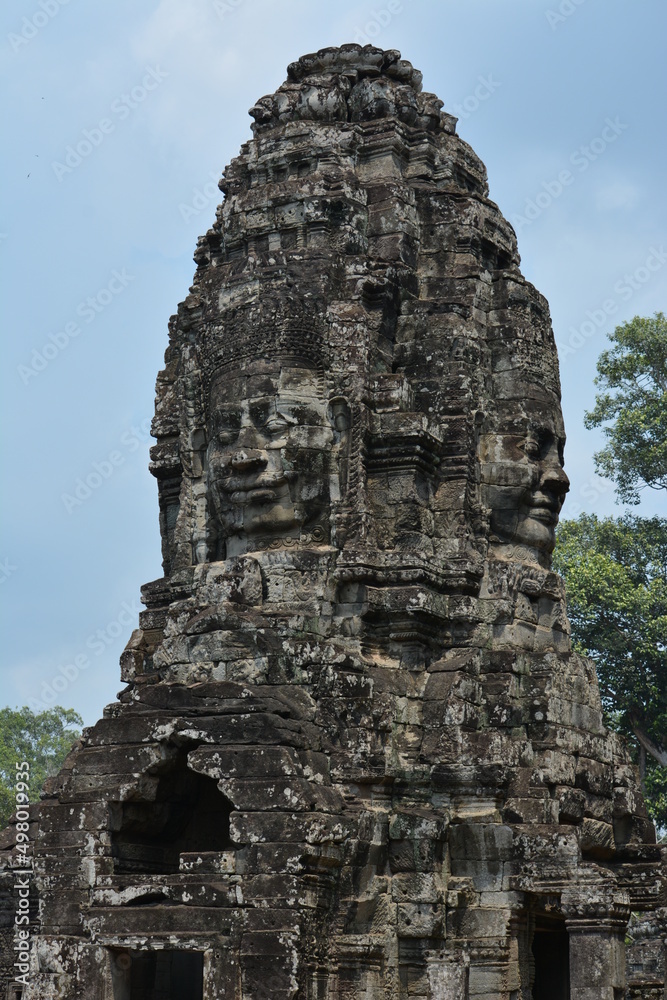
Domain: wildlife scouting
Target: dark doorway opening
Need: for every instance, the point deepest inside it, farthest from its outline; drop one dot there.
(188, 814)
(166, 975)
(551, 952)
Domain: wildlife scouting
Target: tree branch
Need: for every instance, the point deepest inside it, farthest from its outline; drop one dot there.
(658, 753)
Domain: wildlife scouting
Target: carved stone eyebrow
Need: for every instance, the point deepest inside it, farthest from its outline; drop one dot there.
(231, 413)
(298, 408)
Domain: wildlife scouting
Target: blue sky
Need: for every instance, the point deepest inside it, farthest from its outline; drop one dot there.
(562, 99)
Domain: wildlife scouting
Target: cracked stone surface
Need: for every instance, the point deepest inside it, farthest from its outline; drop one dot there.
(355, 756)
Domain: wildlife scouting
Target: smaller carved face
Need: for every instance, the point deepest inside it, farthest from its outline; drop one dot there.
(523, 482)
(268, 456)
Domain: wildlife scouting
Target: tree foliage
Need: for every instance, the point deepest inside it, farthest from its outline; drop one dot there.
(615, 571)
(633, 375)
(43, 739)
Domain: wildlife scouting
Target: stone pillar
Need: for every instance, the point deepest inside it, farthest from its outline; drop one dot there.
(521, 968)
(448, 977)
(488, 974)
(662, 924)
(596, 919)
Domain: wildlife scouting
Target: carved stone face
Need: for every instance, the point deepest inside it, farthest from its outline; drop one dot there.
(268, 457)
(523, 482)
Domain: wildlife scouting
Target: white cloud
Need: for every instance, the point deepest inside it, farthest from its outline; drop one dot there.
(190, 43)
(618, 194)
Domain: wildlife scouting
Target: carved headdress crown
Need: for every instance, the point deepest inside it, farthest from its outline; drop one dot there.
(262, 329)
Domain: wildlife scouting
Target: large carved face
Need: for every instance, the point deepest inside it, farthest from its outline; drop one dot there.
(523, 482)
(268, 457)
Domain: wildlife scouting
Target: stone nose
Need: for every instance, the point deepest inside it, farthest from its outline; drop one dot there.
(555, 480)
(248, 460)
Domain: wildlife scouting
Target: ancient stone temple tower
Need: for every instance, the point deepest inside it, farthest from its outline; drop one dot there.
(355, 756)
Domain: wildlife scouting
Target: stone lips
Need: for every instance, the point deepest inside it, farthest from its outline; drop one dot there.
(355, 755)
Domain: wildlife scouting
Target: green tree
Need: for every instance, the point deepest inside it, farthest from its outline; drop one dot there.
(615, 572)
(633, 406)
(43, 739)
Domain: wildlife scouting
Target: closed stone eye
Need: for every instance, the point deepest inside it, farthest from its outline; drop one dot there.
(531, 448)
